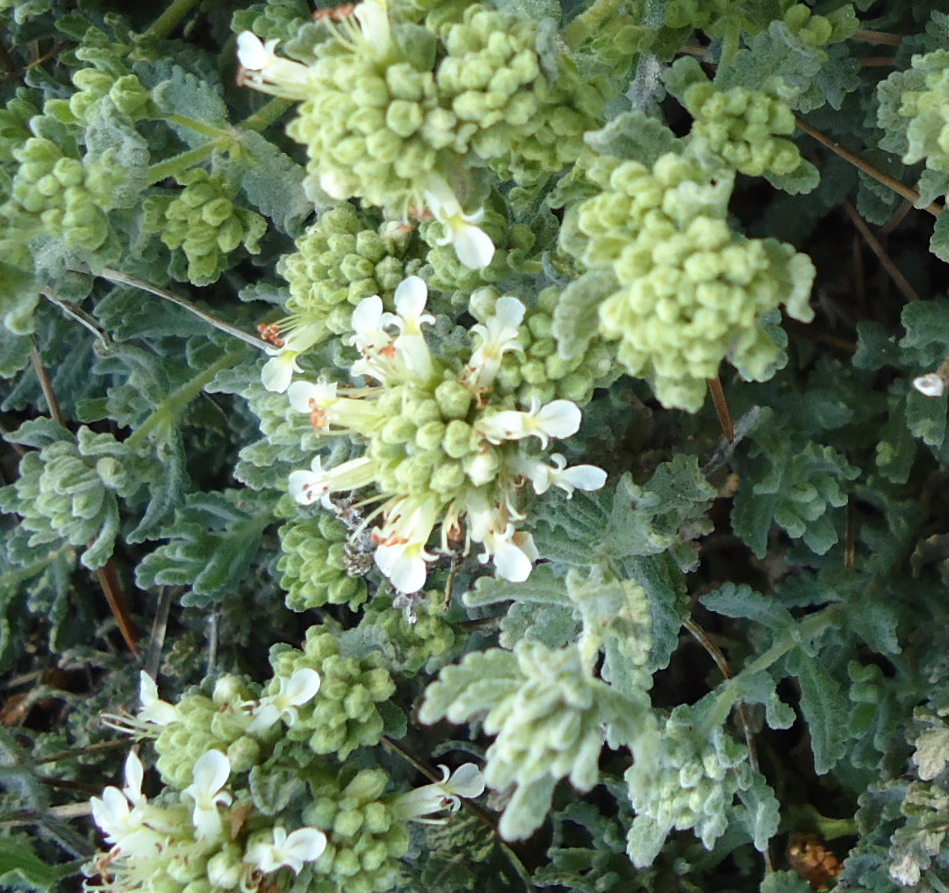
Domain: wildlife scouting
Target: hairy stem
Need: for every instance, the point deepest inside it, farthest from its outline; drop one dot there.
(170, 18)
(175, 402)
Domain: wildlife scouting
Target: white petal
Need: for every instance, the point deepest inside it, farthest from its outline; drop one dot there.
(473, 246)
(466, 781)
(404, 567)
(303, 686)
(579, 477)
(410, 297)
(306, 487)
(930, 385)
(511, 562)
(277, 372)
(251, 52)
(561, 418)
(111, 813)
(211, 772)
(134, 773)
(265, 717)
(305, 396)
(306, 844)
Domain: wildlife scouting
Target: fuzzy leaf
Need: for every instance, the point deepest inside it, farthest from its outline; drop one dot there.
(761, 814)
(527, 809)
(22, 869)
(473, 685)
(734, 600)
(214, 539)
(634, 135)
(822, 706)
(273, 183)
(541, 587)
(576, 316)
(192, 98)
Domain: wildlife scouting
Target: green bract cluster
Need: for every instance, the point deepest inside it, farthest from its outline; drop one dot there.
(340, 260)
(392, 114)
(317, 565)
(68, 491)
(745, 127)
(366, 838)
(692, 292)
(352, 694)
(203, 221)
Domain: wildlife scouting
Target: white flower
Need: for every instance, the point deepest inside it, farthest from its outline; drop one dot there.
(560, 418)
(211, 772)
(269, 73)
(369, 323)
(400, 553)
(277, 372)
(500, 333)
(466, 781)
(293, 850)
(472, 244)
(129, 830)
(411, 349)
(294, 692)
(543, 476)
(306, 487)
(411, 296)
(513, 553)
(154, 710)
(930, 385)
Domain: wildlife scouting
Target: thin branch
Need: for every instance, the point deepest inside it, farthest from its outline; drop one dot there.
(881, 37)
(865, 166)
(115, 597)
(159, 628)
(83, 318)
(47, 387)
(901, 282)
(721, 408)
(121, 278)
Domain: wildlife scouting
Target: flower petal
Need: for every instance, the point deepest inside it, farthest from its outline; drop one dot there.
(472, 245)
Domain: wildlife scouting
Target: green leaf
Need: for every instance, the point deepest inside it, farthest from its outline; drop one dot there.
(761, 814)
(471, 686)
(527, 809)
(576, 316)
(213, 542)
(188, 98)
(668, 603)
(741, 601)
(543, 586)
(22, 869)
(531, 9)
(14, 352)
(634, 135)
(822, 706)
(273, 183)
(784, 882)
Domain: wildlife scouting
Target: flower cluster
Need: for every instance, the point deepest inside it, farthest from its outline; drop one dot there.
(398, 124)
(691, 291)
(441, 444)
(210, 829)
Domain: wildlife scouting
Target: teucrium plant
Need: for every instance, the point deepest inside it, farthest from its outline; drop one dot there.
(364, 385)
